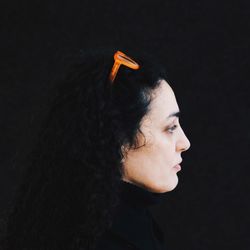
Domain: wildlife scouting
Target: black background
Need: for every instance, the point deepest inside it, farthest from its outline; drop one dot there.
(204, 46)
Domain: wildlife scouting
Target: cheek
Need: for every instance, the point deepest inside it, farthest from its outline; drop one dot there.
(164, 151)
(156, 157)
(164, 144)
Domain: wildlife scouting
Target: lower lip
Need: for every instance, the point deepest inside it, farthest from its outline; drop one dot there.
(177, 167)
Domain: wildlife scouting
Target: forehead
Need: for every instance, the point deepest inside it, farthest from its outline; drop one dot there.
(164, 101)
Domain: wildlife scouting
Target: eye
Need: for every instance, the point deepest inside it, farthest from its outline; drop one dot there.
(172, 128)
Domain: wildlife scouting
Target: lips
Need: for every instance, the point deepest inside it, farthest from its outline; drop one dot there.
(178, 163)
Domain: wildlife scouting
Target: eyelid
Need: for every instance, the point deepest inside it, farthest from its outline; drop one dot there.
(172, 128)
(174, 121)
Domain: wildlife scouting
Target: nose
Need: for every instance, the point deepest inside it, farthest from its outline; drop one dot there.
(183, 143)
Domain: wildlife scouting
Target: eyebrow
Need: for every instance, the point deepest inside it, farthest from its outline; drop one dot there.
(176, 114)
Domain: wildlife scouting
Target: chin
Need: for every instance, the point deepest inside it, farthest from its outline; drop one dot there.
(169, 186)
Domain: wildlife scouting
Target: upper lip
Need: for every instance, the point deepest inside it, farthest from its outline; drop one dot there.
(179, 163)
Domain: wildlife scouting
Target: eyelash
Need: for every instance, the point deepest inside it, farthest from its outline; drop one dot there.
(173, 128)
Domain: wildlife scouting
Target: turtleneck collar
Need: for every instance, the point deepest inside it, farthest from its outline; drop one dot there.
(138, 196)
(133, 221)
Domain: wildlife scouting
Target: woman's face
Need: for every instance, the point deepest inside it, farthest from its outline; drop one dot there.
(152, 166)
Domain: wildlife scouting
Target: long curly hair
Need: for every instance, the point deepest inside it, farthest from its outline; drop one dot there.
(71, 182)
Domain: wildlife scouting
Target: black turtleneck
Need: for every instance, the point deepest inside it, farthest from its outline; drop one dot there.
(134, 226)
(138, 196)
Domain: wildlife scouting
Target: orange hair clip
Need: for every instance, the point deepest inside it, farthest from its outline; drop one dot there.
(121, 59)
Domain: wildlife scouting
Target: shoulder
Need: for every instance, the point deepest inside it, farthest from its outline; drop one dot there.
(113, 241)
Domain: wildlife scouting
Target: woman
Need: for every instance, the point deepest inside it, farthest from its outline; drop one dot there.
(107, 151)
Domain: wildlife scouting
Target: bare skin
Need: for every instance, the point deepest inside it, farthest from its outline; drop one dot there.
(151, 166)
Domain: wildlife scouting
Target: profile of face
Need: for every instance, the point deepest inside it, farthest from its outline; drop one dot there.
(152, 166)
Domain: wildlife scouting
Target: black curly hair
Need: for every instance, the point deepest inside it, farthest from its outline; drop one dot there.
(70, 186)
